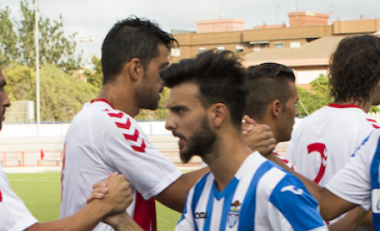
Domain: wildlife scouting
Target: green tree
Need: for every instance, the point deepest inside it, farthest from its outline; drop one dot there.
(8, 38)
(62, 95)
(54, 47)
(318, 97)
(95, 76)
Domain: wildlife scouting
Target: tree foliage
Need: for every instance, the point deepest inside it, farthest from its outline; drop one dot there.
(8, 38)
(318, 97)
(62, 95)
(18, 44)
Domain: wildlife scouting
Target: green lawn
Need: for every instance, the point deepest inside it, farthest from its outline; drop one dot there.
(41, 194)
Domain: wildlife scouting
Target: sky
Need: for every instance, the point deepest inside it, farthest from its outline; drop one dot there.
(94, 18)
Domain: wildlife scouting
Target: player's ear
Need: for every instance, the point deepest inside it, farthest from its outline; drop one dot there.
(135, 69)
(217, 114)
(276, 108)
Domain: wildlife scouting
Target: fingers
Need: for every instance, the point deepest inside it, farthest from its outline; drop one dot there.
(113, 174)
(249, 120)
(98, 192)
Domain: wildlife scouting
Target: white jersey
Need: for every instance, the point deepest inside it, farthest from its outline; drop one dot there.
(324, 141)
(102, 140)
(358, 182)
(261, 196)
(14, 216)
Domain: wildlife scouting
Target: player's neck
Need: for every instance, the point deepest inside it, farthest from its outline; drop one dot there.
(232, 152)
(271, 123)
(120, 98)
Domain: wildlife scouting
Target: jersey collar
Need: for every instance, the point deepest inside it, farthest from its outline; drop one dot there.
(334, 105)
(102, 100)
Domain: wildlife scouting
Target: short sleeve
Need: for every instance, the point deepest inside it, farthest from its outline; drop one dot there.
(288, 200)
(353, 183)
(130, 152)
(186, 223)
(13, 213)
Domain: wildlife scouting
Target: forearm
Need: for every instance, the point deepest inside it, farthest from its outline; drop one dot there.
(86, 219)
(351, 221)
(126, 223)
(175, 195)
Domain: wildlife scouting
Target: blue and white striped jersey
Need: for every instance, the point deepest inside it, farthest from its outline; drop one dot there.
(260, 197)
(358, 182)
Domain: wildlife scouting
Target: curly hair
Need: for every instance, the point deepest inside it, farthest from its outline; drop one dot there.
(355, 69)
(220, 77)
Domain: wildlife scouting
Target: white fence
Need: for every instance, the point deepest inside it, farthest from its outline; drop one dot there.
(51, 130)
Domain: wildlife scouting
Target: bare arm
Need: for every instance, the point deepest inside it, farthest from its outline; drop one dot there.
(174, 196)
(352, 220)
(116, 201)
(331, 206)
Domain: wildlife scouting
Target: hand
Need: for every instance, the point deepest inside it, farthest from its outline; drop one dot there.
(114, 193)
(99, 189)
(258, 137)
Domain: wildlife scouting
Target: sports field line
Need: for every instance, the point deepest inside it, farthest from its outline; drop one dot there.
(35, 179)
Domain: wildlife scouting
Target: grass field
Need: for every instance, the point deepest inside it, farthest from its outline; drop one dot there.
(41, 194)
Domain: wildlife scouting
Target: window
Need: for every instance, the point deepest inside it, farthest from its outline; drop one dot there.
(202, 49)
(239, 49)
(176, 52)
(295, 45)
(221, 48)
(279, 45)
(256, 47)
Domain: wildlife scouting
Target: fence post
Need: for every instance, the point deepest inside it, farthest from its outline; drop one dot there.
(22, 159)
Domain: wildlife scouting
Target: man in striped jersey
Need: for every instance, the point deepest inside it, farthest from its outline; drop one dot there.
(243, 191)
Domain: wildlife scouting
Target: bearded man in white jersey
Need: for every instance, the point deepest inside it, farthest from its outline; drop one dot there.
(243, 191)
(323, 143)
(104, 137)
(16, 217)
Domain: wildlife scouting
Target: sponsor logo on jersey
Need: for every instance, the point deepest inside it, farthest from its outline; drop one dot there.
(292, 189)
(375, 198)
(233, 215)
(200, 215)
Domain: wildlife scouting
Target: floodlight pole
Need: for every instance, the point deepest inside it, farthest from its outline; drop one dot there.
(37, 70)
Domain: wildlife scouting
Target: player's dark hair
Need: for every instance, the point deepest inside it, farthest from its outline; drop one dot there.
(220, 77)
(355, 69)
(267, 82)
(131, 38)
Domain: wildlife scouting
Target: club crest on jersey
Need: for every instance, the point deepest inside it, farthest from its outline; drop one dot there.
(233, 215)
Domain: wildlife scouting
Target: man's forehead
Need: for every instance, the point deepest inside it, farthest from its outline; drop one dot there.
(184, 93)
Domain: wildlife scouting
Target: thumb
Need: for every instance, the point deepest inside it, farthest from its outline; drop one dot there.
(249, 120)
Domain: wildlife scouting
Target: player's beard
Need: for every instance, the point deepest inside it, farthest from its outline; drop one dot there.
(201, 143)
(147, 96)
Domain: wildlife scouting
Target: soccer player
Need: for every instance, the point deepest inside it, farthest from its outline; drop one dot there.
(243, 191)
(323, 143)
(272, 101)
(103, 137)
(15, 216)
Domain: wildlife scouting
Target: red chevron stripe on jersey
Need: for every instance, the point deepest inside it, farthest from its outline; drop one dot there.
(133, 137)
(373, 121)
(116, 115)
(127, 124)
(141, 148)
(1, 197)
